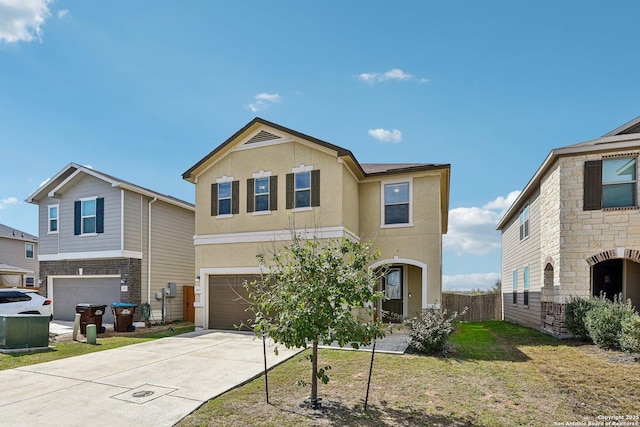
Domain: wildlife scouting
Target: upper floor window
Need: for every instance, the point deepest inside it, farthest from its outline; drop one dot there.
(262, 192)
(524, 222)
(28, 250)
(53, 219)
(618, 182)
(89, 216)
(224, 197)
(515, 286)
(610, 183)
(303, 188)
(397, 203)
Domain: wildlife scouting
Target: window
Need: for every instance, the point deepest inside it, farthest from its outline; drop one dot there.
(28, 250)
(396, 203)
(618, 182)
(262, 193)
(53, 219)
(30, 282)
(610, 183)
(515, 286)
(303, 188)
(89, 216)
(524, 222)
(224, 197)
(526, 285)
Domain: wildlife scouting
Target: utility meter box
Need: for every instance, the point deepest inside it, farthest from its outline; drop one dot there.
(173, 291)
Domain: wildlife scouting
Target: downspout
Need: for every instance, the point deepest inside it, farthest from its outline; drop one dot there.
(149, 254)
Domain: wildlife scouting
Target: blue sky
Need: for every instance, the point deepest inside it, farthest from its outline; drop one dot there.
(143, 90)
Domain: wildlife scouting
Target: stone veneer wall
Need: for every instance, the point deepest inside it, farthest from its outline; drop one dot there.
(129, 269)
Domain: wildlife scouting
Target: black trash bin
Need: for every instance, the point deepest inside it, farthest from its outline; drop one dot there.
(123, 316)
(91, 314)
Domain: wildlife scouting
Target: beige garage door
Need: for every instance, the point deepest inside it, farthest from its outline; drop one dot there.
(228, 302)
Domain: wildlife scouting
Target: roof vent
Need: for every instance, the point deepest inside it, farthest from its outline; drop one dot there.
(261, 137)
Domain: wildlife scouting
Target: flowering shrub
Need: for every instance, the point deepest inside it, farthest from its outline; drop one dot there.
(430, 331)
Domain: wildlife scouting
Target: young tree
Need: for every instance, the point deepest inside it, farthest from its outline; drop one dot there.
(318, 291)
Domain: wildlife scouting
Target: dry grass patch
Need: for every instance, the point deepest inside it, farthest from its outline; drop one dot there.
(497, 374)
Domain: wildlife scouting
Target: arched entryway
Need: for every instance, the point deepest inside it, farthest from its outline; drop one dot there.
(616, 271)
(404, 282)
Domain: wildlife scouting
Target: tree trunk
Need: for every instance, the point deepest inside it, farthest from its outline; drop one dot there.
(314, 376)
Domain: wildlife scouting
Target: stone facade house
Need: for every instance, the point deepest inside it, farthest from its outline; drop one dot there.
(18, 258)
(266, 181)
(574, 231)
(105, 240)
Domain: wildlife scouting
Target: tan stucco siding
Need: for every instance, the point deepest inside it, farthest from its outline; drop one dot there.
(279, 159)
(414, 296)
(350, 202)
(172, 254)
(516, 255)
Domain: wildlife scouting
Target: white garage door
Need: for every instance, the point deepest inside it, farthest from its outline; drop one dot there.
(67, 293)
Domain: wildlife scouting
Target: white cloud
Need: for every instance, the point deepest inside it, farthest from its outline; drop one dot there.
(384, 135)
(472, 230)
(469, 282)
(393, 74)
(263, 100)
(62, 13)
(21, 20)
(8, 201)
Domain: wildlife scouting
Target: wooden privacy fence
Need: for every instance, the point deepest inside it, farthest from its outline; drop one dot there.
(479, 307)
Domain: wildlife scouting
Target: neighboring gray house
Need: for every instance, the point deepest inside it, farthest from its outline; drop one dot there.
(574, 231)
(18, 258)
(105, 240)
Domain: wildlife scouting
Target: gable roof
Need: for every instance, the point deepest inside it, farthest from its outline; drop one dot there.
(73, 171)
(12, 233)
(624, 137)
(264, 135)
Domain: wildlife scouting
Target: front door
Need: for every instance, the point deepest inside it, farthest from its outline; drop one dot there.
(188, 297)
(392, 288)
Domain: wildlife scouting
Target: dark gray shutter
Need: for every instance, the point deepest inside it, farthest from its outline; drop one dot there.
(214, 199)
(273, 193)
(592, 185)
(250, 194)
(315, 188)
(235, 197)
(289, 191)
(77, 218)
(100, 215)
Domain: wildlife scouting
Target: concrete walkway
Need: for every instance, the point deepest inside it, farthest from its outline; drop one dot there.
(156, 383)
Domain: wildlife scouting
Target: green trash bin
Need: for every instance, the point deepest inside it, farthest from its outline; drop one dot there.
(123, 316)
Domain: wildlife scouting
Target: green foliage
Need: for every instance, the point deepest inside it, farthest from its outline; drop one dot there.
(430, 331)
(604, 322)
(577, 309)
(318, 291)
(630, 334)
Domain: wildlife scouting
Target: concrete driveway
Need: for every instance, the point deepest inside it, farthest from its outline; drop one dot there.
(156, 383)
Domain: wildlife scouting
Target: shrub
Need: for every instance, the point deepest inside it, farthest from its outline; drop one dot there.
(430, 331)
(577, 309)
(630, 334)
(604, 322)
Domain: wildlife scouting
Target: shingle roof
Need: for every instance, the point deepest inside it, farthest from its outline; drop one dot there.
(12, 233)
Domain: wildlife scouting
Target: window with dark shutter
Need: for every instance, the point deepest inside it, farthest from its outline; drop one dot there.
(592, 185)
(235, 197)
(77, 217)
(289, 191)
(315, 188)
(273, 193)
(100, 215)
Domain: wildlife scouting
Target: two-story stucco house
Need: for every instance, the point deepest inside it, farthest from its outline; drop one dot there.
(105, 240)
(266, 180)
(574, 231)
(18, 258)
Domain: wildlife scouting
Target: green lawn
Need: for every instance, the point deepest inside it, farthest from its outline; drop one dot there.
(65, 349)
(497, 374)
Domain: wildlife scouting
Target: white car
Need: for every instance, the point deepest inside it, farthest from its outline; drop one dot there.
(24, 301)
